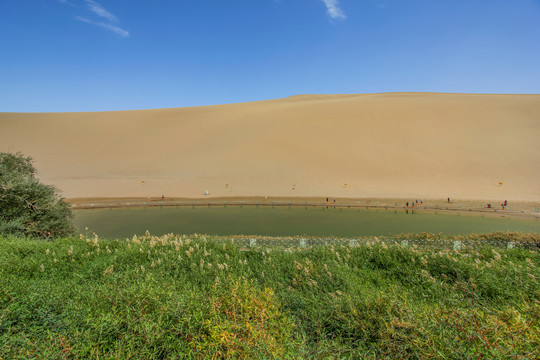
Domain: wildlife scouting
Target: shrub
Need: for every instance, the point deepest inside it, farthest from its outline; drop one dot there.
(27, 207)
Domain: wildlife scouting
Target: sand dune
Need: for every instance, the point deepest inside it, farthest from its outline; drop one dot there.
(419, 145)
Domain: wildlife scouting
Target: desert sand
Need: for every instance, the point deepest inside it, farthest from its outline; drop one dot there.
(391, 145)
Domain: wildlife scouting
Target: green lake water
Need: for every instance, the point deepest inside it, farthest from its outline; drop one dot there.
(285, 221)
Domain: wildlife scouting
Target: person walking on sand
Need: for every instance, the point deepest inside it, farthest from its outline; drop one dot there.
(163, 197)
(448, 199)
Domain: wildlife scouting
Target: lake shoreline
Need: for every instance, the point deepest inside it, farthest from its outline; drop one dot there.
(470, 207)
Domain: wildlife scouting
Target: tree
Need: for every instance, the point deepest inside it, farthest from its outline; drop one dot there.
(27, 207)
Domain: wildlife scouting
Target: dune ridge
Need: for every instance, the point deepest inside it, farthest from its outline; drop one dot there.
(390, 145)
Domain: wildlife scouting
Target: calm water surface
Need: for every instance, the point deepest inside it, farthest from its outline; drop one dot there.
(283, 221)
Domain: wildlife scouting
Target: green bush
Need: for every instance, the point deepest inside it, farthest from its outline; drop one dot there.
(27, 207)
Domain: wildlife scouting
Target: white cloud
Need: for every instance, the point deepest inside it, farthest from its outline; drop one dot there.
(332, 6)
(66, 2)
(100, 10)
(113, 28)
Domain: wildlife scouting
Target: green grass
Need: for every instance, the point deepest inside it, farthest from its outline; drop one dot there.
(198, 297)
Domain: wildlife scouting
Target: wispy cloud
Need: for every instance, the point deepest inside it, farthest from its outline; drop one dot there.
(109, 21)
(116, 29)
(334, 11)
(66, 2)
(100, 10)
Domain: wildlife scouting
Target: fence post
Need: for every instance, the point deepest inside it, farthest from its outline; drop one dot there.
(252, 242)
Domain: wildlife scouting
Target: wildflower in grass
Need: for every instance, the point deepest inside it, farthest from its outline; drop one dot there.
(107, 248)
(298, 265)
(47, 251)
(42, 268)
(179, 258)
(532, 276)
(159, 261)
(313, 282)
(227, 256)
(108, 271)
(424, 261)
(530, 261)
(220, 266)
(202, 263)
(152, 265)
(497, 256)
(339, 293)
(413, 260)
(206, 253)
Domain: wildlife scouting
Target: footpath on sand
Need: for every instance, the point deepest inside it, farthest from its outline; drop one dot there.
(514, 209)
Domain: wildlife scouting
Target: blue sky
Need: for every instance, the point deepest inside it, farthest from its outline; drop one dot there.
(86, 55)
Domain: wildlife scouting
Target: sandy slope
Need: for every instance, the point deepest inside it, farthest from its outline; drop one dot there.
(416, 145)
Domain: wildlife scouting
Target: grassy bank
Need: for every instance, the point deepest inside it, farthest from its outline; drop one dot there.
(196, 297)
